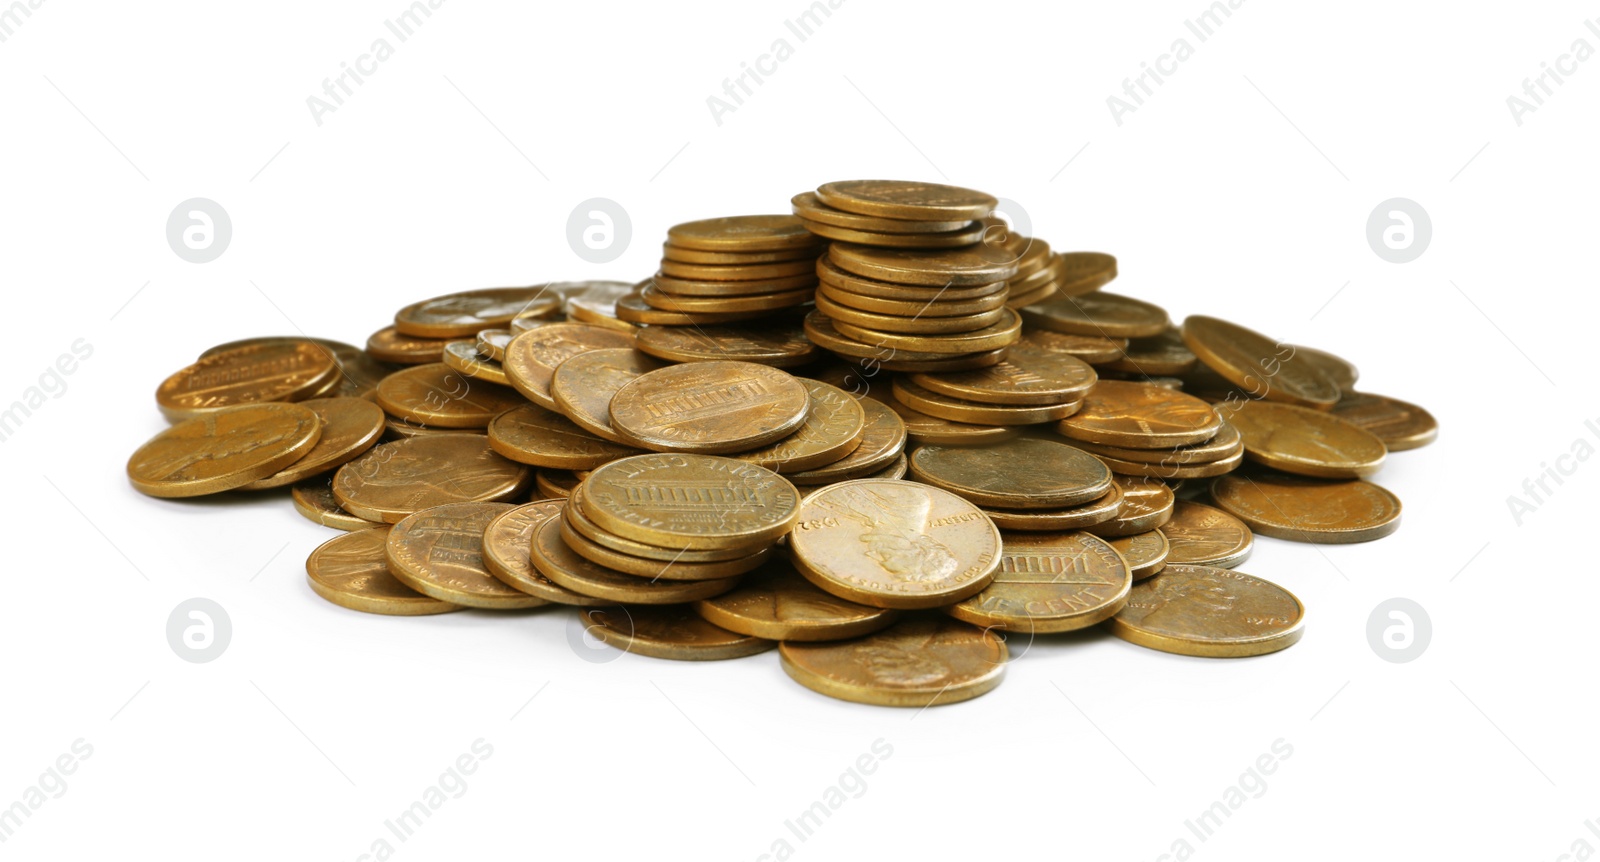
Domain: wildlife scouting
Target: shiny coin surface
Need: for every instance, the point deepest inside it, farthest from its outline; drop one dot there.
(314, 499)
(399, 429)
(1085, 516)
(696, 305)
(1225, 444)
(507, 544)
(903, 199)
(1207, 611)
(957, 410)
(964, 236)
(396, 479)
(822, 331)
(1309, 510)
(1258, 364)
(1107, 315)
(929, 306)
(1026, 376)
(883, 437)
(1083, 271)
(915, 322)
(1335, 368)
(439, 552)
(835, 424)
(1303, 441)
(1164, 470)
(958, 267)
(437, 396)
(742, 233)
(810, 208)
(533, 356)
(709, 407)
(671, 632)
(923, 429)
(1003, 333)
(555, 483)
(493, 342)
(690, 501)
(350, 426)
(1092, 349)
(920, 661)
(1050, 582)
(776, 603)
(461, 315)
(693, 289)
(223, 450)
(894, 544)
(352, 571)
(584, 385)
(695, 255)
(1026, 473)
(1140, 416)
(466, 359)
(1145, 505)
(1146, 553)
(845, 281)
(633, 309)
(658, 570)
(387, 345)
(781, 345)
(1156, 355)
(561, 564)
(530, 434)
(288, 370)
(1398, 424)
(1203, 535)
(738, 271)
(577, 521)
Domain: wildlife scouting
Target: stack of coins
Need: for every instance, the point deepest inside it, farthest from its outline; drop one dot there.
(725, 269)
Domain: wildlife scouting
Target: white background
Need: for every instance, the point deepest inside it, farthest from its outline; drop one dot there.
(1241, 188)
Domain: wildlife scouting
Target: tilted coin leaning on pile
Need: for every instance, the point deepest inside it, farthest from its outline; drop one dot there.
(881, 434)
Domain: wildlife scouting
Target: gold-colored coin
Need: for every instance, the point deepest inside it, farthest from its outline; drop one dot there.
(314, 499)
(1164, 470)
(439, 552)
(697, 305)
(1207, 611)
(1085, 516)
(396, 479)
(1146, 504)
(532, 357)
(896, 470)
(781, 345)
(658, 570)
(883, 437)
(914, 323)
(1092, 349)
(709, 407)
(223, 450)
(894, 544)
(845, 281)
(822, 331)
(436, 395)
(962, 362)
(602, 313)
(507, 544)
(776, 603)
(633, 309)
(674, 632)
(833, 429)
(957, 410)
(1156, 355)
(1398, 424)
(352, 571)
(1258, 364)
(742, 233)
(1017, 474)
(808, 207)
(1304, 441)
(584, 385)
(556, 483)
(901, 199)
(1107, 315)
(1202, 535)
(350, 426)
(690, 501)
(923, 429)
(533, 435)
(695, 255)
(579, 522)
(387, 345)
(462, 315)
(1141, 416)
(493, 342)
(721, 272)
(957, 267)
(465, 358)
(289, 370)
(1146, 553)
(1336, 368)
(1027, 376)
(399, 429)
(1226, 444)
(924, 307)
(1309, 510)
(1004, 333)
(921, 661)
(1032, 297)
(1049, 583)
(693, 291)
(1083, 271)
(963, 236)
(561, 564)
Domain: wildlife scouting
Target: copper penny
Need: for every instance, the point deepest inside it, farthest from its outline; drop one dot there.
(461, 315)
(350, 426)
(1140, 416)
(902, 199)
(1084, 516)
(709, 407)
(1203, 535)
(673, 632)
(532, 357)
(921, 661)
(314, 499)
(1027, 376)
(437, 395)
(1304, 441)
(290, 370)
(465, 358)
(742, 233)
(834, 426)
(584, 385)
(1107, 315)
(923, 429)
(1049, 583)
(352, 571)
(957, 410)
(561, 564)
(1257, 364)
(776, 603)
(439, 552)
(1017, 474)
(1146, 504)
(1146, 553)
(883, 437)
(396, 479)
(388, 345)
(690, 501)
(1309, 510)
(811, 208)
(844, 281)
(1398, 424)
(782, 345)
(223, 450)
(507, 544)
(958, 267)
(1207, 611)
(530, 434)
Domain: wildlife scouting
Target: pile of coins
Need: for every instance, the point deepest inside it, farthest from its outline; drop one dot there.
(884, 434)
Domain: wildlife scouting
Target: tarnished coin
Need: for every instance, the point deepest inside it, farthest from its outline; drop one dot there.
(465, 358)
(671, 632)
(1335, 368)
(1202, 535)
(1079, 272)
(1146, 504)
(957, 410)
(1092, 349)
(1207, 611)
(1398, 424)
(533, 435)
(776, 603)
(507, 544)
(387, 345)
(399, 429)
(352, 571)
(928, 306)
(709, 407)
(923, 429)
(894, 544)
(1304, 441)
(561, 564)
(1146, 553)
(810, 208)
(845, 281)
(598, 313)
(223, 450)
(1226, 444)
(439, 552)
(289, 370)
(822, 331)
(695, 289)
(695, 255)
(533, 356)
(436, 395)
(963, 236)
(1256, 363)
(1140, 416)
(350, 426)
(835, 424)
(737, 271)
(658, 570)
(920, 661)
(1048, 583)
(1107, 315)
(633, 309)
(396, 479)
(1026, 473)
(913, 323)
(493, 342)
(1004, 333)
(1309, 510)
(742, 233)
(883, 437)
(696, 305)
(1167, 470)
(1084, 516)
(958, 267)
(314, 499)
(584, 385)
(902, 199)
(1156, 355)
(1026, 376)
(461, 315)
(555, 483)
(577, 521)
(781, 345)
(690, 501)
(896, 470)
